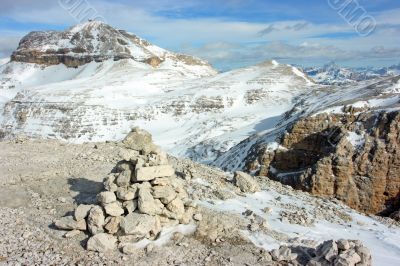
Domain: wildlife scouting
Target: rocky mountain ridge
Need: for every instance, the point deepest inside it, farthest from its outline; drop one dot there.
(340, 144)
(92, 41)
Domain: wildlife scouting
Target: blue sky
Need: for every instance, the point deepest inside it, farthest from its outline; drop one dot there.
(232, 33)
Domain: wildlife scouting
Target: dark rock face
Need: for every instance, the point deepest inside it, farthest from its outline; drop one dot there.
(354, 158)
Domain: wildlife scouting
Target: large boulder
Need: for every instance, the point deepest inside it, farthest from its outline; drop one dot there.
(140, 225)
(153, 172)
(69, 223)
(102, 243)
(82, 211)
(114, 209)
(139, 140)
(106, 197)
(147, 204)
(96, 220)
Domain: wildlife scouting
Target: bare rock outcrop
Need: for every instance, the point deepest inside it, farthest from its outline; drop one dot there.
(353, 157)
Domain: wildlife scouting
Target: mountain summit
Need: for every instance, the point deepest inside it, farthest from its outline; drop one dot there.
(94, 41)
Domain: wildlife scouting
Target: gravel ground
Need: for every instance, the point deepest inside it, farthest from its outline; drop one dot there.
(42, 180)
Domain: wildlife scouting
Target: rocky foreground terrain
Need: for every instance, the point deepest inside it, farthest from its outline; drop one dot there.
(235, 219)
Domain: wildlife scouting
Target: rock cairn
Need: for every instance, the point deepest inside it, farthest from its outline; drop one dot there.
(140, 197)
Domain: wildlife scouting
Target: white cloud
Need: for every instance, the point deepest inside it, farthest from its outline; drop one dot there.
(8, 42)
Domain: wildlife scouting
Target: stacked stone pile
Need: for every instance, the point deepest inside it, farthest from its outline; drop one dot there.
(140, 197)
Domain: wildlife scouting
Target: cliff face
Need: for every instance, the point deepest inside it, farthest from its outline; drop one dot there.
(352, 157)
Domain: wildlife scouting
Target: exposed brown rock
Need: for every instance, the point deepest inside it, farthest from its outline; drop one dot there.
(154, 61)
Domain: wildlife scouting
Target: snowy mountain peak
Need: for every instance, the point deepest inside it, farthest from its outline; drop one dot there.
(97, 41)
(89, 25)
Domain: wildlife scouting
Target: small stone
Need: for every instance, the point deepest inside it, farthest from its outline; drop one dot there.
(69, 223)
(176, 206)
(198, 217)
(27, 234)
(147, 204)
(128, 154)
(96, 220)
(347, 258)
(127, 239)
(283, 254)
(162, 181)
(365, 254)
(127, 193)
(106, 197)
(129, 249)
(165, 194)
(254, 227)
(343, 244)
(183, 244)
(72, 234)
(267, 257)
(152, 172)
(109, 183)
(149, 248)
(113, 224)
(124, 166)
(130, 206)
(328, 250)
(114, 209)
(62, 200)
(82, 211)
(102, 243)
(124, 178)
(177, 237)
(267, 210)
(190, 203)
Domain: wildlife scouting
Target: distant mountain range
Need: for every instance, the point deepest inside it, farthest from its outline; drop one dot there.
(332, 73)
(93, 82)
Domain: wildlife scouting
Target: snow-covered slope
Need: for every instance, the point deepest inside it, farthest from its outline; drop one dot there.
(189, 116)
(4, 61)
(382, 239)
